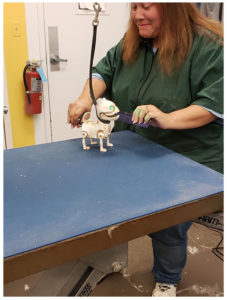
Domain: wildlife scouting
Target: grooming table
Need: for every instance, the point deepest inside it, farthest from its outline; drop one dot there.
(62, 203)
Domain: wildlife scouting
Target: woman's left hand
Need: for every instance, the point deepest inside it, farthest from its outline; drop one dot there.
(153, 115)
(193, 116)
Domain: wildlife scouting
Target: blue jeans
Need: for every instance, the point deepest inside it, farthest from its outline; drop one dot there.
(170, 253)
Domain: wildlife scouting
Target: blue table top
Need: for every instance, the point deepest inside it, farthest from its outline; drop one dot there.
(56, 191)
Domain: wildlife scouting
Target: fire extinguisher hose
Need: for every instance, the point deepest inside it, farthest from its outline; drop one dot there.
(25, 83)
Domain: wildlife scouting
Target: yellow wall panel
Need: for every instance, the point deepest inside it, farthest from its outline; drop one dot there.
(16, 55)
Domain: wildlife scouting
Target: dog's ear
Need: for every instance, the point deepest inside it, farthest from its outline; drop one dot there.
(86, 116)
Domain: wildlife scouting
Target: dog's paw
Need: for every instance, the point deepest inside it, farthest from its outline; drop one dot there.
(87, 148)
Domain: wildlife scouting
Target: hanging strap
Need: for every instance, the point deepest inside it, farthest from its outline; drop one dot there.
(91, 63)
(95, 23)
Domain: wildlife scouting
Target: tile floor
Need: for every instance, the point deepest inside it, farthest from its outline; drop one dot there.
(202, 276)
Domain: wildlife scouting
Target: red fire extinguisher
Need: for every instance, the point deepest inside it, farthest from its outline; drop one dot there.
(33, 88)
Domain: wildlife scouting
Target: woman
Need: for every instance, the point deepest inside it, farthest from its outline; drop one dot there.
(168, 71)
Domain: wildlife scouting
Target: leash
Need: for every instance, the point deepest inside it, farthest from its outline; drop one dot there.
(95, 23)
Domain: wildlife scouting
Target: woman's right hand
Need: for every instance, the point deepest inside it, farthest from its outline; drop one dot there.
(76, 109)
(84, 102)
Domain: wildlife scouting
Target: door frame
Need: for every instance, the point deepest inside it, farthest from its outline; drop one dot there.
(7, 129)
(37, 50)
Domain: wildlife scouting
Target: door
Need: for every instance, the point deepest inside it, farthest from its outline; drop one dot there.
(69, 32)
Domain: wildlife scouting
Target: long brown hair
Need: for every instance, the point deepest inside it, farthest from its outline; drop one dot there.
(181, 21)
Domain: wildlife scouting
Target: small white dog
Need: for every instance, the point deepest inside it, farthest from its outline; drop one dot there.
(106, 110)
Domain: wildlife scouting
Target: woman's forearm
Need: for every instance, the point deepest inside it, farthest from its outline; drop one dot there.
(99, 88)
(84, 102)
(190, 117)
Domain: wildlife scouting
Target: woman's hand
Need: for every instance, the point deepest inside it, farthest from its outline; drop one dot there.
(84, 102)
(151, 114)
(193, 116)
(75, 110)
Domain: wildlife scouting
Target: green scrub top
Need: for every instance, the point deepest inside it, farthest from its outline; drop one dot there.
(199, 81)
